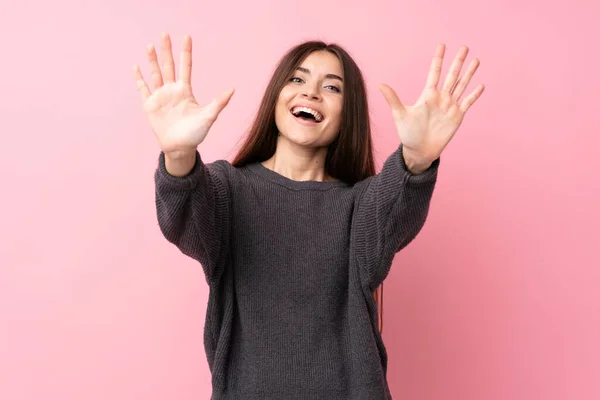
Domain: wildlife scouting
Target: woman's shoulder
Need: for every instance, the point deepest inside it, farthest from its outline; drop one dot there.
(257, 175)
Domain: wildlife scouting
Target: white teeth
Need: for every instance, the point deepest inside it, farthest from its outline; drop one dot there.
(315, 113)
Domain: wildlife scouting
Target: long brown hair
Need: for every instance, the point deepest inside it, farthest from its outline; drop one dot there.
(350, 156)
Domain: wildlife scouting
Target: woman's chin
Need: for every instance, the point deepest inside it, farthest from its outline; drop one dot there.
(305, 140)
(308, 137)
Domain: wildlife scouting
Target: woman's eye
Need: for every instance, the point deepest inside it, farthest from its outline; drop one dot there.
(296, 79)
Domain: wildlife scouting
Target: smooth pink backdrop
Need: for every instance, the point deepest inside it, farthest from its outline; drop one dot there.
(498, 298)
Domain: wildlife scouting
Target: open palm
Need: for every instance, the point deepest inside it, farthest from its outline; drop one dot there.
(427, 127)
(178, 121)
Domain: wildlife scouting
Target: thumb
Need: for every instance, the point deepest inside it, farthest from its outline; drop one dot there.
(219, 103)
(392, 98)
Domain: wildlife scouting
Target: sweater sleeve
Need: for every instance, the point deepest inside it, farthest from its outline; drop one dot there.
(194, 214)
(391, 210)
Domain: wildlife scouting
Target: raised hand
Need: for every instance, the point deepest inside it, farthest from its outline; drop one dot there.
(178, 121)
(427, 127)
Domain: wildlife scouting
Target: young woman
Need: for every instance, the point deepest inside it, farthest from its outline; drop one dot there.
(296, 234)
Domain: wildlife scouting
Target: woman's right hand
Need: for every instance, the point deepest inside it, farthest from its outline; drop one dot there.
(178, 121)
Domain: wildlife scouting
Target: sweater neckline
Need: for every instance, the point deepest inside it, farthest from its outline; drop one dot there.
(279, 179)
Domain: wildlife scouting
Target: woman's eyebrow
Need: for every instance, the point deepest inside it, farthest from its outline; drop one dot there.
(331, 76)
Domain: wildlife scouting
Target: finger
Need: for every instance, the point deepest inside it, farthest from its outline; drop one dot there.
(168, 65)
(463, 82)
(141, 83)
(470, 99)
(185, 62)
(156, 78)
(455, 68)
(219, 103)
(436, 67)
(392, 98)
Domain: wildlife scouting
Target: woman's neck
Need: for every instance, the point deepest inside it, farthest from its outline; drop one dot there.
(298, 163)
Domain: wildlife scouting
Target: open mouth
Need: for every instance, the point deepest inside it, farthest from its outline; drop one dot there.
(307, 114)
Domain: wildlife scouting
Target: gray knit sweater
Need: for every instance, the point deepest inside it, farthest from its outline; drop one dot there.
(291, 267)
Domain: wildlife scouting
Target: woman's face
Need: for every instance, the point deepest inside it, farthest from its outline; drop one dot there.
(309, 107)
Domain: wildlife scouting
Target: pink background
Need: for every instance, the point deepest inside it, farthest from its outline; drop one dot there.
(497, 298)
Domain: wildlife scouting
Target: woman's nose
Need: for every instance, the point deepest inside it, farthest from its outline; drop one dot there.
(311, 92)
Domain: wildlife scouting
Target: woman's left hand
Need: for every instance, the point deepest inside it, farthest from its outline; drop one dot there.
(427, 127)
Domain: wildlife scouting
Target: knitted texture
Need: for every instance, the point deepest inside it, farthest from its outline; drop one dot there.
(291, 267)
